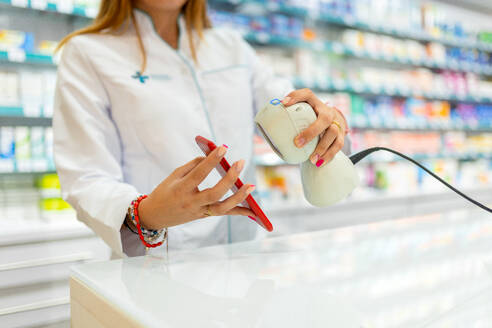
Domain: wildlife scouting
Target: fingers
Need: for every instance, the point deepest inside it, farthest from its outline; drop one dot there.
(214, 194)
(302, 95)
(202, 170)
(312, 131)
(221, 208)
(325, 142)
(239, 210)
(334, 148)
(324, 113)
(337, 130)
(185, 169)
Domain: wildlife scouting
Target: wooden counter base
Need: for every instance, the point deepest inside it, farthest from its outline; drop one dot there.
(89, 309)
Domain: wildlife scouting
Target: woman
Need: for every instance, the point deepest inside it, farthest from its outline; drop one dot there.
(133, 91)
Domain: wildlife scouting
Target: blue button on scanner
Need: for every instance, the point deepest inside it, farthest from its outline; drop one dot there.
(275, 101)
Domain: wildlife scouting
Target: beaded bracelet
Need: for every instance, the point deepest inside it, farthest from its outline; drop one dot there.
(131, 215)
(147, 236)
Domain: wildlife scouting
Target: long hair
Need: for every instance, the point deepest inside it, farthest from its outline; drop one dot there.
(113, 14)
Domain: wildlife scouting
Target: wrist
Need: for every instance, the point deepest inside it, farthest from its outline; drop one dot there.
(145, 215)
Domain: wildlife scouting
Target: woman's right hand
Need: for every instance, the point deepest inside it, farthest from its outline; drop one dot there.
(177, 199)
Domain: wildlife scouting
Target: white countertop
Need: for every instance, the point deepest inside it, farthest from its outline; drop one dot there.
(427, 271)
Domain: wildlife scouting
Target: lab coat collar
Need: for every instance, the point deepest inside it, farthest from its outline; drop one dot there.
(147, 29)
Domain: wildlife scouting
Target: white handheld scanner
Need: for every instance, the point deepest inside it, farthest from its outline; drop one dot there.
(322, 186)
(333, 181)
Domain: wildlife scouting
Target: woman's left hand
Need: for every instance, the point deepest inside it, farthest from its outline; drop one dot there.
(330, 126)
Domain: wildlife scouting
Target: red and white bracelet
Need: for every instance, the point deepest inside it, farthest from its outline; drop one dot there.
(147, 236)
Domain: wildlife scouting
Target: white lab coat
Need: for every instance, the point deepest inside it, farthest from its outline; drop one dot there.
(118, 133)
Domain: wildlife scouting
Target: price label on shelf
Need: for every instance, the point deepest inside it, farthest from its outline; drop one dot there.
(374, 88)
(319, 45)
(375, 121)
(323, 83)
(339, 84)
(24, 165)
(16, 55)
(65, 6)
(262, 37)
(360, 121)
(6, 165)
(39, 4)
(337, 48)
(19, 3)
(349, 20)
(40, 165)
(357, 86)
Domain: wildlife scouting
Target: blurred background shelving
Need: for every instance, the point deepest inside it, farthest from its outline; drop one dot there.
(412, 75)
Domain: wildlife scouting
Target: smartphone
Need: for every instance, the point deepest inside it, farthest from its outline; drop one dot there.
(207, 146)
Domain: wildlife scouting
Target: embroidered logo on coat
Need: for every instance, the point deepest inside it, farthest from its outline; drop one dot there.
(140, 77)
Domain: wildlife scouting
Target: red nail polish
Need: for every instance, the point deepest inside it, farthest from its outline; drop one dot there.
(252, 218)
(320, 162)
(225, 146)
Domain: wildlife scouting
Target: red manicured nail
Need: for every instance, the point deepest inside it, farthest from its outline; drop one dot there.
(252, 218)
(225, 146)
(320, 162)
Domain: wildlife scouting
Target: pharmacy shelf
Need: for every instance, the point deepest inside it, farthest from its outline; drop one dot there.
(25, 121)
(358, 123)
(452, 65)
(19, 56)
(27, 173)
(271, 159)
(65, 7)
(262, 38)
(11, 166)
(423, 125)
(345, 86)
(40, 230)
(350, 22)
(413, 35)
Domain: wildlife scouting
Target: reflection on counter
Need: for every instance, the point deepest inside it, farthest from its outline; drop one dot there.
(414, 272)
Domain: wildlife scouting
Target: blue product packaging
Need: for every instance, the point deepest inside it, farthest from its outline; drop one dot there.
(296, 28)
(241, 22)
(7, 142)
(279, 25)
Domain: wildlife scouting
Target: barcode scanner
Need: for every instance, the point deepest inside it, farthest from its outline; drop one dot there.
(333, 181)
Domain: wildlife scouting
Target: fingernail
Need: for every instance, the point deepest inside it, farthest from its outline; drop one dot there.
(314, 159)
(224, 145)
(286, 100)
(222, 151)
(252, 218)
(250, 189)
(299, 141)
(240, 165)
(320, 162)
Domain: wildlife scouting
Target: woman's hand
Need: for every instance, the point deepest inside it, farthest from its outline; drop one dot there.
(330, 126)
(177, 199)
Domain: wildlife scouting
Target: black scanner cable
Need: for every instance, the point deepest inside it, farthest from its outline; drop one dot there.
(355, 158)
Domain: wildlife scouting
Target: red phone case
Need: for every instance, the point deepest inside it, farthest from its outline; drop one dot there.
(207, 146)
